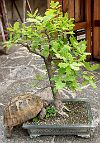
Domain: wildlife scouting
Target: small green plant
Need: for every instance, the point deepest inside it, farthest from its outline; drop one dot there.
(50, 112)
(36, 119)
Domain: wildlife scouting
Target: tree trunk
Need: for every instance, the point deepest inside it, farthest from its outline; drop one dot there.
(56, 95)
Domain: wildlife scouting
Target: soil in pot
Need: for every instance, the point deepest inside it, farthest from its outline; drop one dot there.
(78, 114)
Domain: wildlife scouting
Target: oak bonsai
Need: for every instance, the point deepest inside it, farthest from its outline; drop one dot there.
(64, 58)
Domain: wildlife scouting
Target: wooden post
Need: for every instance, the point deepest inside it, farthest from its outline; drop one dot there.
(17, 11)
(48, 3)
(2, 31)
(4, 10)
(96, 29)
(88, 29)
(29, 5)
(77, 10)
(65, 6)
(24, 10)
(71, 8)
(3, 37)
(12, 9)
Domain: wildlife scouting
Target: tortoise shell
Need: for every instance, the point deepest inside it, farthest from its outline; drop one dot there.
(22, 108)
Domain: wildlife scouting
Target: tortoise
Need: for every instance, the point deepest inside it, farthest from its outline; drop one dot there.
(21, 109)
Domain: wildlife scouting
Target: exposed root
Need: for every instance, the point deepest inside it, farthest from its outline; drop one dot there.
(65, 108)
(61, 108)
(62, 113)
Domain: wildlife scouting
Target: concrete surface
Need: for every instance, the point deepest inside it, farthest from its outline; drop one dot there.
(18, 72)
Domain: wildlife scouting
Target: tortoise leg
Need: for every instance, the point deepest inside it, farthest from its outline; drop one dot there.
(42, 113)
(8, 131)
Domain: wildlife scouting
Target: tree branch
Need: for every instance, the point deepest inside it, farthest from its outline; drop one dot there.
(29, 49)
(47, 36)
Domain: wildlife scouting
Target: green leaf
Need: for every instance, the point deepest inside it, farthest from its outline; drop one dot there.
(36, 119)
(75, 66)
(82, 58)
(48, 17)
(94, 67)
(58, 56)
(35, 13)
(60, 85)
(74, 42)
(54, 5)
(90, 67)
(61, 71)
(69, 78)
(58, 82)
(85, 82)
(92, 84)
(82, 46)
(86, 77)
(64, 51)
(10, 29)
(32, 15)
(89, 79)
(16, 26)
(45, 51)
(50, 111)
(63, 65)
(33, 20)
(69, 71)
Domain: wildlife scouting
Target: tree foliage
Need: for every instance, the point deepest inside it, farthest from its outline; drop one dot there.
(47, 36)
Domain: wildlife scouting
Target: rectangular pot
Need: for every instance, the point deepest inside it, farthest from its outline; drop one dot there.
(83, 130)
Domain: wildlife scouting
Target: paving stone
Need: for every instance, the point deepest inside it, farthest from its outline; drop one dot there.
(16, 62)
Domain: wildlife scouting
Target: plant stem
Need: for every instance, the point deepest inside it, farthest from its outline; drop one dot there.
(56, 96)
(50, 73)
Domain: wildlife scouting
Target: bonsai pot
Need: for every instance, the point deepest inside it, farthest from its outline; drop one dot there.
(83, 129)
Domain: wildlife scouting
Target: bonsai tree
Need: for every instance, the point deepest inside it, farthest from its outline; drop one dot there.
(52, 38)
